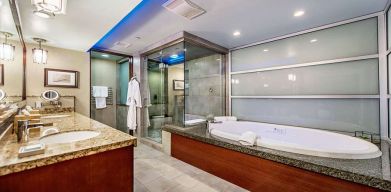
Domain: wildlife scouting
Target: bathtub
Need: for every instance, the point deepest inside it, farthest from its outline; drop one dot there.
(299, 140)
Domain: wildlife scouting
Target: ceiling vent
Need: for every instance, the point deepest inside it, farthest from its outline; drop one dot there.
(184, 8)
(122, 44)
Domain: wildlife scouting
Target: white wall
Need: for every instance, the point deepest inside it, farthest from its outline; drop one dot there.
(61, 59)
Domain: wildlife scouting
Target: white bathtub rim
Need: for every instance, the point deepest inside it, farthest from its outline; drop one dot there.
(372, 152)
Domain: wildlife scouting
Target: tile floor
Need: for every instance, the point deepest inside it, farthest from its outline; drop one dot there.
(156, 171)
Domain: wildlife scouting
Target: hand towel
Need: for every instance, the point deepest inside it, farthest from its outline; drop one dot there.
(100, 93)
(29, 108)
(100, 102)
(225, 118)
(25, 112)
(248, 138)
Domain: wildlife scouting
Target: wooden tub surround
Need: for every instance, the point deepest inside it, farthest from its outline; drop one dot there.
(254, 173)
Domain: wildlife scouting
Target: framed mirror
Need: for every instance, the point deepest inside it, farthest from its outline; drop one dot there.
(50, 95)
(12, 64)
(11, 56)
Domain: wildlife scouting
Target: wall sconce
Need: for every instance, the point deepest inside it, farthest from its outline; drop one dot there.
(40, 56)
(7, 50)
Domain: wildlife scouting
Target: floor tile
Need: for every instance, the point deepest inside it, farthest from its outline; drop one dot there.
(139, 187)
(156, 171)
(160, 184)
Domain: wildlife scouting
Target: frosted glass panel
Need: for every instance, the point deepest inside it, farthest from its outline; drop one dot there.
(333, 114)
(355, 77)
(389, 28)
(389, 72)
(349, 40)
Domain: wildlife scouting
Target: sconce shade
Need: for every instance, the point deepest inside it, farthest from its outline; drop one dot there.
(40, 56)
(7, 51)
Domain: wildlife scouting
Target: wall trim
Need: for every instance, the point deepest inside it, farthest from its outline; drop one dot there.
(374, 56)
(311, 30)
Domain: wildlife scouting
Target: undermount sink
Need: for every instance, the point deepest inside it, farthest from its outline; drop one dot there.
(69, 137)
(54, 116)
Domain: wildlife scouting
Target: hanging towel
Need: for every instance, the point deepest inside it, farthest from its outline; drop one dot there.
(147, 99)
(100, 93)
(248, 138)
(133, 101)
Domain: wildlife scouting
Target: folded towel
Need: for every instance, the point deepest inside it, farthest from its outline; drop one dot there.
(25, 112)
(100, 91)
(248, 138)
(29, 108)
(225, 118)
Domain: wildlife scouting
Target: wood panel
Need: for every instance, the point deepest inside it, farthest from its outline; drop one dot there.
(106, 171)
(254, 173)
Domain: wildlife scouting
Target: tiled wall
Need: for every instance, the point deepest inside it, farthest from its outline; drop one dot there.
(204, 86)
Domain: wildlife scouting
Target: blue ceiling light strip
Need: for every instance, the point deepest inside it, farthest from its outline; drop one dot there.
(99, 45)
(180, 58)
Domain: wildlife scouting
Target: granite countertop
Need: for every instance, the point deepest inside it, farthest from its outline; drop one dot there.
(371, 172)
(108, 139)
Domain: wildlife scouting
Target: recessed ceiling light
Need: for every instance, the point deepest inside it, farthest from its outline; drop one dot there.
(174, 56)
(265, 50)
(313, 40)
(43, 14)
(236, 33)
(298, 13)
(105, 55)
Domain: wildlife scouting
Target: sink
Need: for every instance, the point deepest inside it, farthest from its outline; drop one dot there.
(54, 116)
(69, 137)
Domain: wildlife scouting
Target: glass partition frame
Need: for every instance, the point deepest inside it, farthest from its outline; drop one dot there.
(387, 57)
(382, 69)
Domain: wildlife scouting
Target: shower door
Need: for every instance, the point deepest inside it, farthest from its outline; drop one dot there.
(165, 76)
(157, 80)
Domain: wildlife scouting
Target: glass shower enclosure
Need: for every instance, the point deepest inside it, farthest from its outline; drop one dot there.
(184, 84)
(112, 71)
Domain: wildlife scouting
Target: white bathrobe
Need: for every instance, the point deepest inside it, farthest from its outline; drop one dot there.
(133, 101)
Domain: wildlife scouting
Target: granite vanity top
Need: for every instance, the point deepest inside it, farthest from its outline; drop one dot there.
(108, 139)
(371, 172)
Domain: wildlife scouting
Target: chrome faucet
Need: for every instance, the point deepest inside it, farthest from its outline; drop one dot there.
(26, 130)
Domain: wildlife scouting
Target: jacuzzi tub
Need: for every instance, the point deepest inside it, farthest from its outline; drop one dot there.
(299, 140)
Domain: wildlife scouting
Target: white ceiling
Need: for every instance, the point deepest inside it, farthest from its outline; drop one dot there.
(256, 19)
(6, 21)
(85, 22)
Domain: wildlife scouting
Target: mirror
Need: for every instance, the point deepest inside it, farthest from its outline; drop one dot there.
(50, 95)
(3, 95)
(12, 65)
(11, 61)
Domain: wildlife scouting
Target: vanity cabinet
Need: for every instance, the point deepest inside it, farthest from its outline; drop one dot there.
(106, 171)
